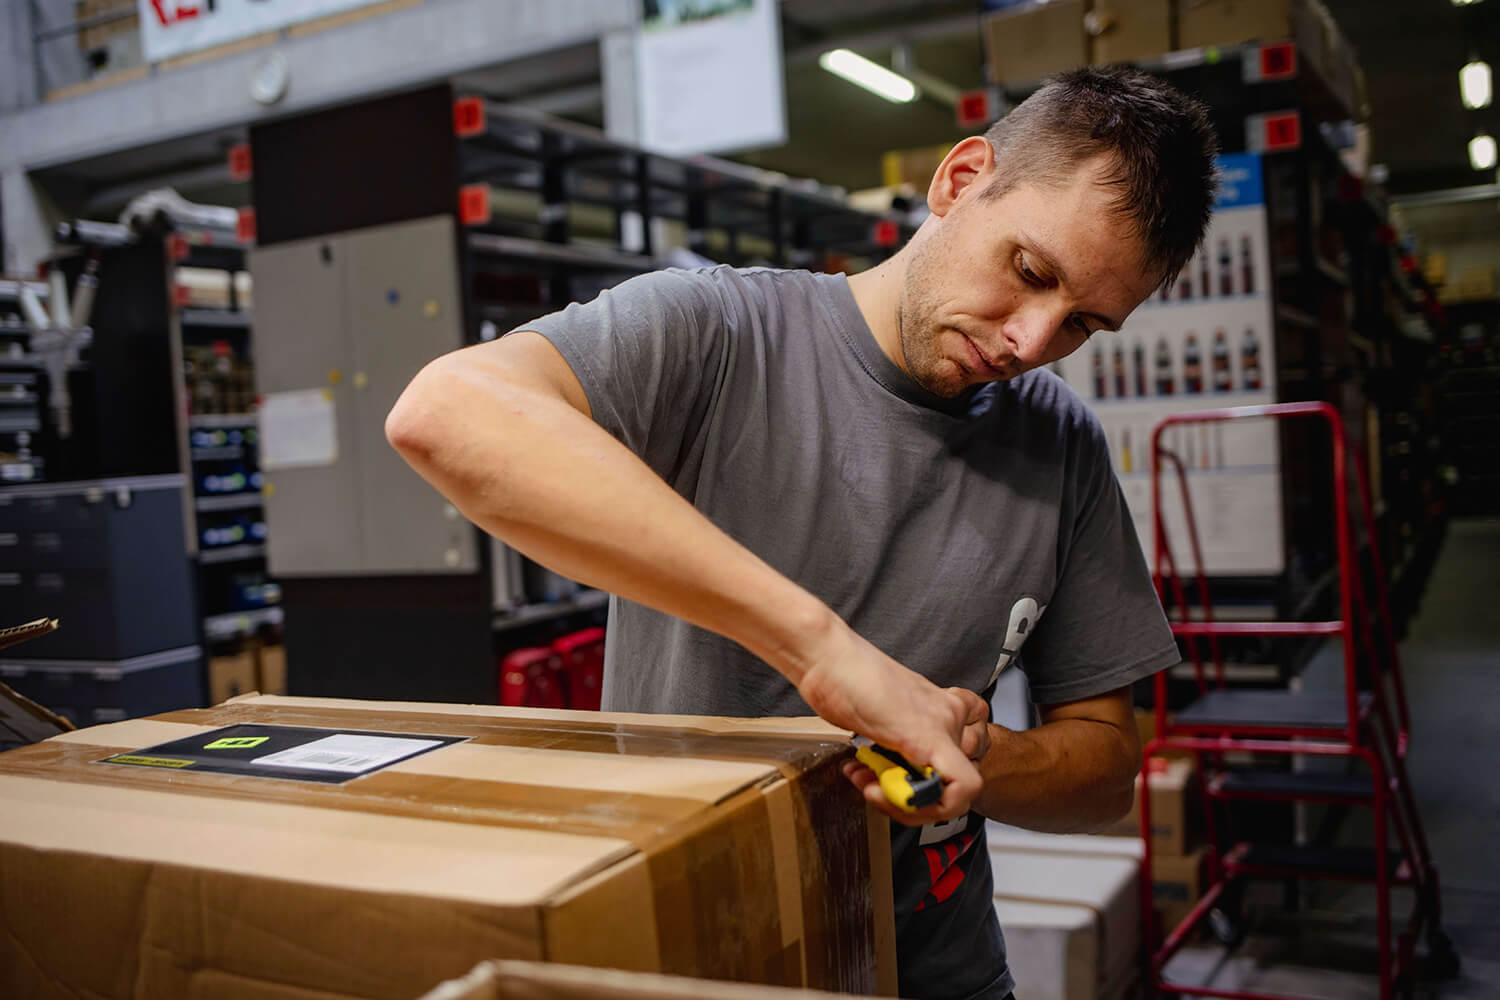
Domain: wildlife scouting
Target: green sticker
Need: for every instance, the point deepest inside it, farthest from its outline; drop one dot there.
(236, 743)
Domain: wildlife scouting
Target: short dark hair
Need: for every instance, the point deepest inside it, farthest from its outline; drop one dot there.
(1161, 143)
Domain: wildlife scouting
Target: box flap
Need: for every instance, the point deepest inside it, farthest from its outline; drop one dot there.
(23, 721)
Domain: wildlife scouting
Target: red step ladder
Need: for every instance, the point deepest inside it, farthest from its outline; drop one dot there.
(1368, 724)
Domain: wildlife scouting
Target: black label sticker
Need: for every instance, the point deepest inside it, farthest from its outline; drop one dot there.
(299, 753)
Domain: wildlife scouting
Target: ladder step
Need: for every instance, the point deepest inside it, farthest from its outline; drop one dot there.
(1344, 862)
(1292, 785)
(1241, 710)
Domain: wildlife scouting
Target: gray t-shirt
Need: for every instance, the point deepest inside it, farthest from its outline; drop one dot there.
(946, 532)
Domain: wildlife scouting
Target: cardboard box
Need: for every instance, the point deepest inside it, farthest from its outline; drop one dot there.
(1230, 22)
(271, 661)
(1027, 44)
(1071, 920)
(166, 857)
(913, 166)
(231, 676)
(1176, 886)
(512, 980)
(1175, 807)
(1129, 30)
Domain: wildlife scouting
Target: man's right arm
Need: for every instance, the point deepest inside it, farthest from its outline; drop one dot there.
(504, 431)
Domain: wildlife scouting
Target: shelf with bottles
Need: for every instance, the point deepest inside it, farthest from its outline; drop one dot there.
(20, 401)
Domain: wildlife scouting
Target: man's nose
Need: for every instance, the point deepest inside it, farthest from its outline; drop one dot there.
(1029, 333)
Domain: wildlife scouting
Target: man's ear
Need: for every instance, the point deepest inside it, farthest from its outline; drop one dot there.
(970, 162)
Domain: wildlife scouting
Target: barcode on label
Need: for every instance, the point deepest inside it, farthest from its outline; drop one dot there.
(347, 753)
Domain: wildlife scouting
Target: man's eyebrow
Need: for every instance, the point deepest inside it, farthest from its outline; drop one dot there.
(1050, 262)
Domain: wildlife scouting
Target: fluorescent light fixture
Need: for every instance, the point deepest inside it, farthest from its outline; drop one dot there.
(1464, 3)
(1482, 151)
(872, 76)
(1474, 83)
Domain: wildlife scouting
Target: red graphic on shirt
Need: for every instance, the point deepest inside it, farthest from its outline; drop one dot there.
(942, 866)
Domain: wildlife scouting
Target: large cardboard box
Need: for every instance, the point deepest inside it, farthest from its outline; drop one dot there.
(1129, 30)
(279, 846)
(1029, 43)
(1230, 22)
(513, 980)
(1176, 886)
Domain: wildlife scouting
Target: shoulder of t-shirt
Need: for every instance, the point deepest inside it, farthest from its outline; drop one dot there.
(1051, 401)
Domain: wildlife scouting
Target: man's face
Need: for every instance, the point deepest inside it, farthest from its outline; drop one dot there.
(1005, 285)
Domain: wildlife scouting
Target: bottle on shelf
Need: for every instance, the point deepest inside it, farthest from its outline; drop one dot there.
(1226, 269)
(1205, 280)
(1223, 377)
(1118, 363)
(1185, 283)
(1139, 357)
(1126, 459)
(1250, 359)
(1166, 383)
(1098, 364)
(1247, 266)
(1192, 365)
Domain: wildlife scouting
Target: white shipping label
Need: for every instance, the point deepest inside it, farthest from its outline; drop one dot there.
(347, 753)
(298, 429)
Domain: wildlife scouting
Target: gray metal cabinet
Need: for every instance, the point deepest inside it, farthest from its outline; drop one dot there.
(342, 324)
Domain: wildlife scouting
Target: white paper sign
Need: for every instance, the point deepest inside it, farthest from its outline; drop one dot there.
(298, 429)
(709, 76)
(1209, 343)
(173, 27)
(346, 753)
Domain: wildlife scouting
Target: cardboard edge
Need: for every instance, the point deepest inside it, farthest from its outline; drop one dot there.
(579, 926)
(883, 900)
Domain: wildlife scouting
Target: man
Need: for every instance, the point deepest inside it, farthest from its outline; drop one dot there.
(857, 495)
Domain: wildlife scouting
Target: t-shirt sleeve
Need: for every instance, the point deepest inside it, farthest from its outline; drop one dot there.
(648, 353)
(1104, 627)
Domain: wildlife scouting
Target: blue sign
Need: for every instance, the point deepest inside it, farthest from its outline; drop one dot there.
(1240, 182)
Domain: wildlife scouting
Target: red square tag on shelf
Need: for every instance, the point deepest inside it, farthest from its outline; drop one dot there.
(1282, 132)
(1278, 61)
(885, 233)
(973, 108)
(239, 161)
(474, 204)
(468, 116)
(177, 246)
(244, 228)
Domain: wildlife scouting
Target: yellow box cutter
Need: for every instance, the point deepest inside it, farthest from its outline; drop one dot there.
(905, 786)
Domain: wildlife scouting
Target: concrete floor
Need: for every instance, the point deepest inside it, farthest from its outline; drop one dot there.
(1451, 661)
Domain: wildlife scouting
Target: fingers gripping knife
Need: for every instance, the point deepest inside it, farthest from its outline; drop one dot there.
(906, 786)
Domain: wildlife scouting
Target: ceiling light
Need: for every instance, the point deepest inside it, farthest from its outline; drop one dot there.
(1482, 151)
(872, 76)
(1464, 3)
(1475, 84)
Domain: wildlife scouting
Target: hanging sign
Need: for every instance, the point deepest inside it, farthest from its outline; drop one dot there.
(175, 27)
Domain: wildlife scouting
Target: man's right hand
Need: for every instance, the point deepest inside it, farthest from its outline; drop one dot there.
(855, 686)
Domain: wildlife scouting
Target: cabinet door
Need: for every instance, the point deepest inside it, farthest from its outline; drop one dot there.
(303, 373)
(404, 310)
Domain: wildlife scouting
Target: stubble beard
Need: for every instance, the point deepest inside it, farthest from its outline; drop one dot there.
(919, 332)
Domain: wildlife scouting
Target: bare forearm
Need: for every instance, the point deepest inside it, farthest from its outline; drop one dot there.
(1067, 776)
(528, 467)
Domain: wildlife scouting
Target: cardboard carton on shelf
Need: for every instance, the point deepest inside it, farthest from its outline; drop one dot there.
(513, 980)
(337, 848)
(1026, 44)
(1122, 31)
(1176, 886)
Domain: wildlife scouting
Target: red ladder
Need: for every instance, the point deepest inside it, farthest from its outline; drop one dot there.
(1359, 725)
